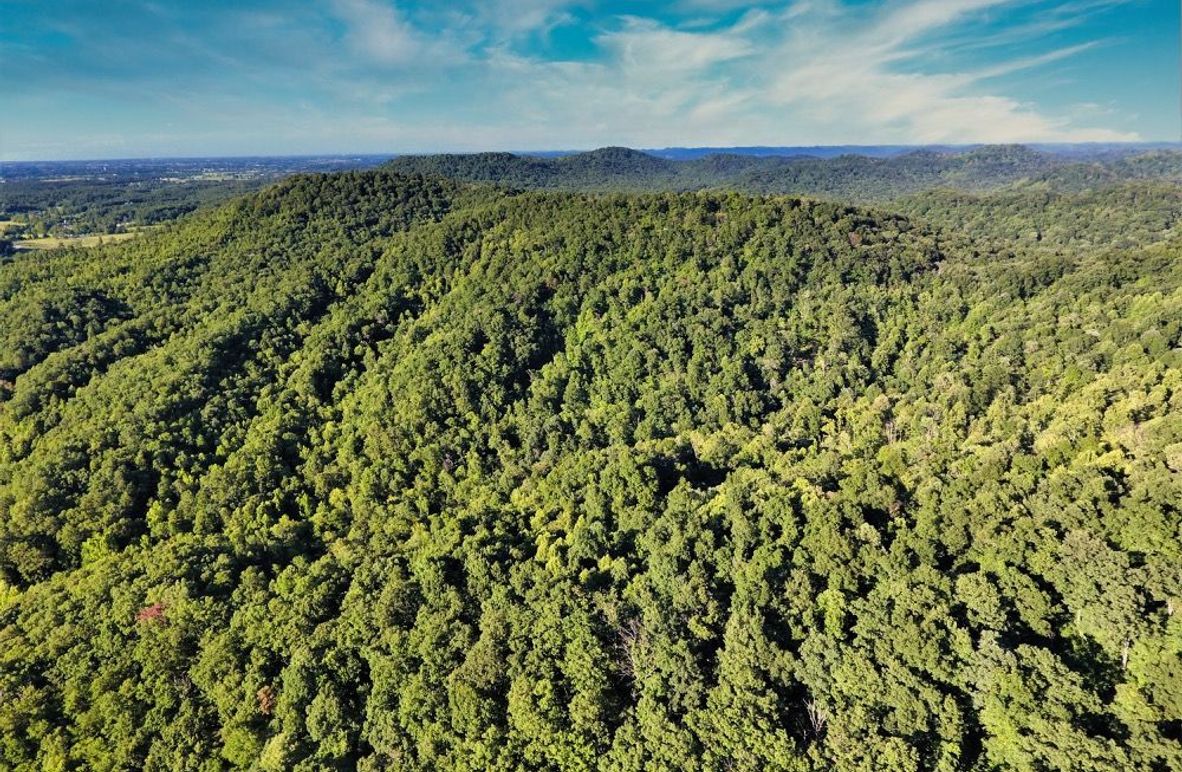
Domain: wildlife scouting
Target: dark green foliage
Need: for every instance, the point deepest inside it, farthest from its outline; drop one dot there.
(1122, 214)
(610, 168)
(373, 471)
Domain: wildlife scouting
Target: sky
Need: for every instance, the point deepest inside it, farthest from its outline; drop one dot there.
(147, 78)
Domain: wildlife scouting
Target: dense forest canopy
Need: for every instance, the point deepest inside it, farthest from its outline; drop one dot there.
(384, 471)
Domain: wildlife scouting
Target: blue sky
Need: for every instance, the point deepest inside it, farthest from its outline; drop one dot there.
(119, 78)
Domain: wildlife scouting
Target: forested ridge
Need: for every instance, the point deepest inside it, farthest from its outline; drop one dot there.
(383, 471)
(847, 178)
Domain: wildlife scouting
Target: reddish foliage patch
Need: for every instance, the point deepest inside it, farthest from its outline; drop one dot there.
(153, 613)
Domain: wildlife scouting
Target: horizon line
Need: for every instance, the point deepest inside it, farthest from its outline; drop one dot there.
(559, 151)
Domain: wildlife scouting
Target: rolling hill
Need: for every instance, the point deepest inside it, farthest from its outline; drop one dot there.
(386, 471)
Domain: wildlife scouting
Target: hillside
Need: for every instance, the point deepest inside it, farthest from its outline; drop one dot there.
(382, 471)
(1121, 214)
(609, 168)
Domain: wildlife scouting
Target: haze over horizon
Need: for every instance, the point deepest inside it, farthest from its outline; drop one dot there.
(159, 79)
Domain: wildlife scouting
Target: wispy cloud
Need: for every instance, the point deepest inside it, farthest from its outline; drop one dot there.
(381, 33)
(508, 18)
(645, 46)
(842, 65)
(1031, 62)
(810, 71)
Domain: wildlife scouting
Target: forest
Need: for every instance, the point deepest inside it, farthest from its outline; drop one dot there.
(469, 463)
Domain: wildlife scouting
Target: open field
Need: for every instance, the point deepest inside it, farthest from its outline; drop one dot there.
(51, 242)
(7, 225)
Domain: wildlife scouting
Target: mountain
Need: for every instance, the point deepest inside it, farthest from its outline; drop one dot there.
(387, 471)
(615, 168)
(611, 166)
(505, 168)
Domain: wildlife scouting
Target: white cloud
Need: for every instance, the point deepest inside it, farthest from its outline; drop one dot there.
(381, 33)
(647, 46)
(515, 17)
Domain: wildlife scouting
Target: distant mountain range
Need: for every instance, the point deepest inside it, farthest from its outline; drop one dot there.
(877, 151)
(850, 176)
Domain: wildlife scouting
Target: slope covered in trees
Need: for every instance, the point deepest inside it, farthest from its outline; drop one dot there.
(1121, 215)
(385, 472)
